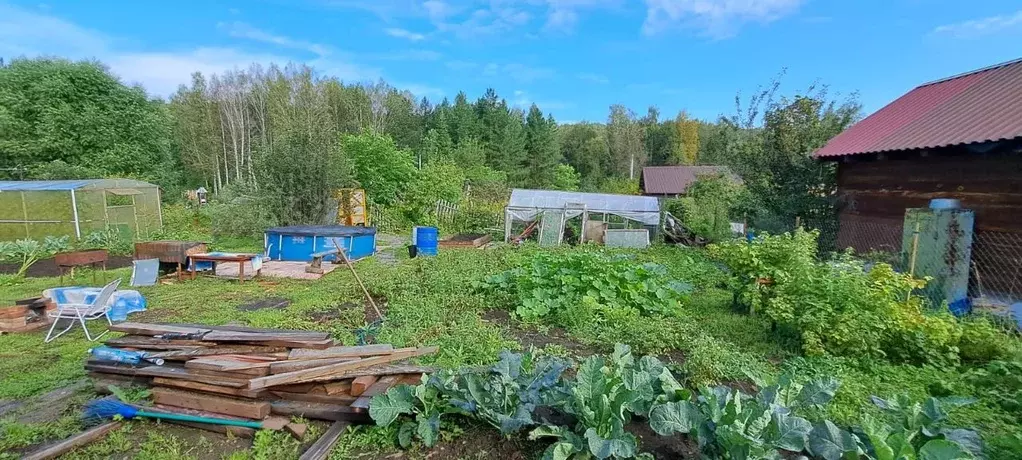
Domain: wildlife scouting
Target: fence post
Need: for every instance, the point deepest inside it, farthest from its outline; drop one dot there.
(798, 222)
(912, 258)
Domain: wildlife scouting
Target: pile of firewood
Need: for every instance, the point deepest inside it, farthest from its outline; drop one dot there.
(257, 374)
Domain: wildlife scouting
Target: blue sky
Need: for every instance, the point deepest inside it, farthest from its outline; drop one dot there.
(572, 57)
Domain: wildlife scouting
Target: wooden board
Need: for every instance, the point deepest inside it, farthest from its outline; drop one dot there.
(317, 411)
(360, 384)
(197, 386)
(232, 328)
(320, 450)
(281, 367)
(78, 440)
(335, 371)
(229, 365)
(381, 386)
(340, 399)
(232, 336)
(336, 388)
(155, 329)
(185, 354)
(342, 352)
(168, 372)
(208, 403)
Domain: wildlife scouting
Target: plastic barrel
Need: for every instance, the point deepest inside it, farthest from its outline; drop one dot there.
(426, 240)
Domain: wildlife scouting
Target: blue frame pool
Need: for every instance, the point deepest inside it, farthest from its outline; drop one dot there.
(299, 242)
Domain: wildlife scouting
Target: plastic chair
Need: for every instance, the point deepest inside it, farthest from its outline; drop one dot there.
(83, 312)
(144, 272)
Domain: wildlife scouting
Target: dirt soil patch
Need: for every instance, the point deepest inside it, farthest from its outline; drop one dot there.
(466, 237)
(48, 267)
(662, 447)
(269, 302)
(533, 337)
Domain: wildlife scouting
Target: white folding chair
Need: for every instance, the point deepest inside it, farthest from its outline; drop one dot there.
(82, 312)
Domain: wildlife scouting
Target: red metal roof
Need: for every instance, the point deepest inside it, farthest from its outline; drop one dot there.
(979, 106)
(674, 180)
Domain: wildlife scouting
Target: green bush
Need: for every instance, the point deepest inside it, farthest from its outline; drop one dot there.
(239, 212)
(840, 308)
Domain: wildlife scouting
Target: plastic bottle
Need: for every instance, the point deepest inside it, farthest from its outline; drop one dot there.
(122, 356)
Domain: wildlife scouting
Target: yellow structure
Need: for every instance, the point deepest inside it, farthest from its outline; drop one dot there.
(351, 207)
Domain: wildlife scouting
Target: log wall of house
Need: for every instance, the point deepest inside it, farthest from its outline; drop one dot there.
(874, 193)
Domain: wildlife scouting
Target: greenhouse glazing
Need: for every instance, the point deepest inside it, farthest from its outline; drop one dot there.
(36, 209)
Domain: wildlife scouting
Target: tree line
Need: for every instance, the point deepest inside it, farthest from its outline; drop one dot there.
(292, 135)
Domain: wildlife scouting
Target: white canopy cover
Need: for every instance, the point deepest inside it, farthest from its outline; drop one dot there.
(526, 205)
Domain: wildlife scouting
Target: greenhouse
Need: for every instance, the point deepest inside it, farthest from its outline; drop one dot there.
(549, 212)
(36, 209)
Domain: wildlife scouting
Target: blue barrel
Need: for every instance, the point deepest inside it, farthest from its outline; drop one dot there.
(426, 240)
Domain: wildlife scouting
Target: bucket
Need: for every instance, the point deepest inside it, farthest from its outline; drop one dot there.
(426, 240)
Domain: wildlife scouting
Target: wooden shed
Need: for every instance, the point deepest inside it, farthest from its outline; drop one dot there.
(960, 138)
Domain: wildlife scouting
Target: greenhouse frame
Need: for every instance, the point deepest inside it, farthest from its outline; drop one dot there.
(36, 209)
(552, 208)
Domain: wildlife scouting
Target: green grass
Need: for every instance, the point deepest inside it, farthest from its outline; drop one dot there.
(432, 301)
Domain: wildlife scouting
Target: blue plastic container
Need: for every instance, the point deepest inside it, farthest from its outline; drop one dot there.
(426, 240)
(298, 243)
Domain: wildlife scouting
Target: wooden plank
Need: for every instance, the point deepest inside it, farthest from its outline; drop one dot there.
(319, 411)
(231, 328)
(336, 388)
(339, 399)
(380, 387)
(345, 351)
(308, 388)
(281, 367)
(238, 374)
(197, 386)
(168, 372)
(78, 440)
(208, 403)
(320, 450)
(335, 371)
(217, 363)
(231, 336)
(360, 384)
(155, 329)
(184, 354)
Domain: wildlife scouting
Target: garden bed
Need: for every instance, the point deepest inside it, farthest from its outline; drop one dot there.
(48, 267)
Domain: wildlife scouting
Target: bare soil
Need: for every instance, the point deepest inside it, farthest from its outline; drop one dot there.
(533, 337)
(48, 267)
(268, 302)
(466, 237)
(662, 447)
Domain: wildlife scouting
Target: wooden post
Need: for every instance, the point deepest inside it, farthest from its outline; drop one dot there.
(912, 257)
(798, 222)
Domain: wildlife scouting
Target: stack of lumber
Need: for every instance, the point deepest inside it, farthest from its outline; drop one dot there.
(250, 373)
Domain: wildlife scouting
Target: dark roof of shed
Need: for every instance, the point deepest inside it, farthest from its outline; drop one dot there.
(980, 106)
(674, 180)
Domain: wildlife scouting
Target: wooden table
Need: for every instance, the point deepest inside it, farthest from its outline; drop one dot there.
(217, 258)
(69, 260)
(170, 252)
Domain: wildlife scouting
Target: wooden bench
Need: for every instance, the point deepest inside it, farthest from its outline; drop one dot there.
(316, 266)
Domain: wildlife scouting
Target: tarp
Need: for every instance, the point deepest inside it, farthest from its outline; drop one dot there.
(122, 302)
(525, 205)
(65, 185)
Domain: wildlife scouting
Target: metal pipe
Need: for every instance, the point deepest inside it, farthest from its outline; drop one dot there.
(74, 207)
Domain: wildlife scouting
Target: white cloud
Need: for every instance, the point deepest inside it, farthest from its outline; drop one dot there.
(983, 26)
(402, 33)
(593, 78)
(239, 29)
(28, 33)
(714, 18)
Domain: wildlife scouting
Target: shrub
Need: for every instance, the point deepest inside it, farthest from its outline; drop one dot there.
(240, 212)
(840, 308)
